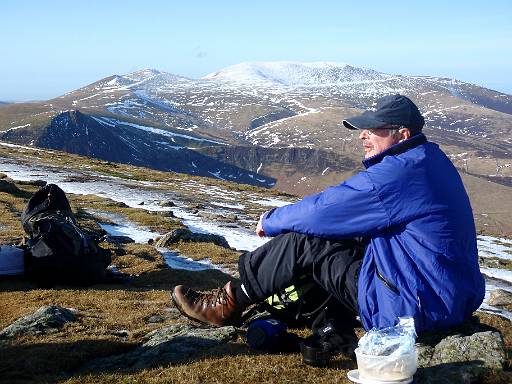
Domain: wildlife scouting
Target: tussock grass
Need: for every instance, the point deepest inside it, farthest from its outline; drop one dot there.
(11, 207)
(496, 262)
(138, 259)
(70, 161)
(106, 309)
(151, 220)
(233, 363)
(210, 251)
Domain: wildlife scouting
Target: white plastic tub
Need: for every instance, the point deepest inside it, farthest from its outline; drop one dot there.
(386, 368)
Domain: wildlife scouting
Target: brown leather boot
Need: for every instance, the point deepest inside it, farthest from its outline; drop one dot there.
(217, 307)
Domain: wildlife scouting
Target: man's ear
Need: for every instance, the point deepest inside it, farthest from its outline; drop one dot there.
(404, 134)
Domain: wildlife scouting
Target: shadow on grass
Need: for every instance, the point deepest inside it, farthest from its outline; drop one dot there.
(164, 279)
(467, 328)
(59, 361)
(461, 372)
(50, 362)
(22, 194)
(167, 278)
(16, 283)
(184, 350)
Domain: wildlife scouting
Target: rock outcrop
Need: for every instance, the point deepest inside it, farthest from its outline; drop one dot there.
(460, 359)
(7, 185)
(500, 298)
(186, 235)
(47, 319)
(117, 240)
(167, 345)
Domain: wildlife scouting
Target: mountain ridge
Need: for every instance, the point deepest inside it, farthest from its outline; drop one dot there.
(290, 105)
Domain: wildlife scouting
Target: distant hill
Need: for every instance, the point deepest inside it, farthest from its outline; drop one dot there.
(270, 120)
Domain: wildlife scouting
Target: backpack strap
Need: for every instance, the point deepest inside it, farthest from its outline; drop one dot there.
(316, 310)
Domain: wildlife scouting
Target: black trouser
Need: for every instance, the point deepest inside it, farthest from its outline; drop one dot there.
(334, 265)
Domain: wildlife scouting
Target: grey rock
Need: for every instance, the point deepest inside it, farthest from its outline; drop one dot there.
(47, 319)
(228, 225)
(485, 346)
(165, 346)
(209, 216)
(166, 214)
(173, 313)
(183, 234)
(231, 217)
(156, 319)
(122, 333)
(199, 336)
(36, 183)
(118, 239)
(460, 359)
(500, 297)
(6, 185)
(120, 204)
(425, 353)
(167, 203)
(494, 262)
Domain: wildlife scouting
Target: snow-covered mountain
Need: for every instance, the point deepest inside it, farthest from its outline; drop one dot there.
(296, 74)
(276, 119)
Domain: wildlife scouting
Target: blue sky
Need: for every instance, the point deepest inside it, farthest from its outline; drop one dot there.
(52, 47)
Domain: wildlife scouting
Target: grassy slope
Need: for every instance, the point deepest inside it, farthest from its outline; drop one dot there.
(107, 309)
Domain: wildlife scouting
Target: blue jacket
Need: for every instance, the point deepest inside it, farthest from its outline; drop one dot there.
(411, 205)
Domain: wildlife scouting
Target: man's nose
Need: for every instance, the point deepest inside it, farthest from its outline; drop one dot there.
(363, 134)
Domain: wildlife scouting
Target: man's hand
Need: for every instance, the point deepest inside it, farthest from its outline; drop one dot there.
(259, 228)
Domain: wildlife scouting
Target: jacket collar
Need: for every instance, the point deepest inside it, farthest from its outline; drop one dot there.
(396, 149)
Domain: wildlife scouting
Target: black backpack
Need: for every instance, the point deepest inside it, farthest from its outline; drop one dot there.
(58, 250)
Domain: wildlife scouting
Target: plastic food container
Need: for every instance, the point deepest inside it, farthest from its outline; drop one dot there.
(387, 368)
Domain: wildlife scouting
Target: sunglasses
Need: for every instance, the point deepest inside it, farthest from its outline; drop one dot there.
(391, 130)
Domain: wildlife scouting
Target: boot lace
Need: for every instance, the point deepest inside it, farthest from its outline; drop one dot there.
(214, 297)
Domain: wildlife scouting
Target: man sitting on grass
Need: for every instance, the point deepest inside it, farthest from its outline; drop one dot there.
(397, 239)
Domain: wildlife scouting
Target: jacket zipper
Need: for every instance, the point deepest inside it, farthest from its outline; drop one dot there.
(391, 286)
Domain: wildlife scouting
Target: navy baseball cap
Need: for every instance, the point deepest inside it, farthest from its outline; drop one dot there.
(391, 110)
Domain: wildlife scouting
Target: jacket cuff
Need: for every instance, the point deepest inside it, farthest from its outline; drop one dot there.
(266, 215)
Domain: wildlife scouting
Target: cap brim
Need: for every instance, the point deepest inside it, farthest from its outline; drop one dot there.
(364, 121)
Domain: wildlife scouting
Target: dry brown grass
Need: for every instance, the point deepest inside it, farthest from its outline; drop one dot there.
(210, 251)
(69, 161)
(102, 314)
(11, 207)
(152, 220)
(233, 363)
(107, 309)
(104, 311)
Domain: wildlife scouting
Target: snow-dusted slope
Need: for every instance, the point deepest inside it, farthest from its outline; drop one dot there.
(296, 74)
(283, 105)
